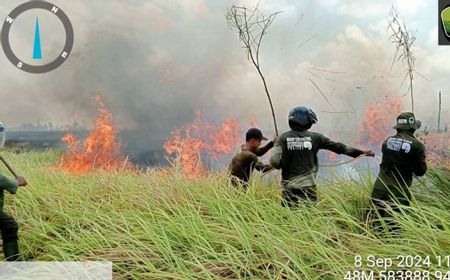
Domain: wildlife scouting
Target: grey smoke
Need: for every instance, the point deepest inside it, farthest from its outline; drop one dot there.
(156, 62)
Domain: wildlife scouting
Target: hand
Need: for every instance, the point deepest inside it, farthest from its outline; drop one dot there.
(21, 181)
(275, 138)
(369, 153)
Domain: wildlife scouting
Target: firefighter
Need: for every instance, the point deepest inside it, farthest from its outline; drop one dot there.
(8, 225)
(295, 153)
(246, 159)
(403, 157)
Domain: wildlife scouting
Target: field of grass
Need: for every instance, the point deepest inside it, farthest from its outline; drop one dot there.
(155, 226)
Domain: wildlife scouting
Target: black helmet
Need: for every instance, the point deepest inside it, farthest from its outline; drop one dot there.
(302, 117)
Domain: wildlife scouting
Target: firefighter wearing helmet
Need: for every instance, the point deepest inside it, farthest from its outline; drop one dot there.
(403, 157)
(8, 225)
(295, 153)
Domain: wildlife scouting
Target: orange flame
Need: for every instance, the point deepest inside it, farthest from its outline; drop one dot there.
(100, 150)
(375, 125)
(186, 145)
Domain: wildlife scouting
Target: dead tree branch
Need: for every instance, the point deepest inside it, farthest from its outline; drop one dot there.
(403, 40)
(252, 25)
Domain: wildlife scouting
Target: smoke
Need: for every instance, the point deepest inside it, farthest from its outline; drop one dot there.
(156, 62)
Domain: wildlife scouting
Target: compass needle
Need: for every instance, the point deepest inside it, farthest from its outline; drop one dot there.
(37, 53)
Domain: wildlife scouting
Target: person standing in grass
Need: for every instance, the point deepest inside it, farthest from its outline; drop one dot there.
(403, 157)
(295, 153)
(8, 225)
(246, 160)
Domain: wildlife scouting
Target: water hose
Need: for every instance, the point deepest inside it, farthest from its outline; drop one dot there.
(334, 164)
(341, 163)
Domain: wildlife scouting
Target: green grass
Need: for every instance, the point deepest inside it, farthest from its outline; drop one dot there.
(161, 227)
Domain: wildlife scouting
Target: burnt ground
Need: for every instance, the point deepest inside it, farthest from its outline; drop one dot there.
(140, 150)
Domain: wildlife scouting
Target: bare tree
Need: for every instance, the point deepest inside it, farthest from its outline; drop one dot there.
(252, 25)
(403, 39)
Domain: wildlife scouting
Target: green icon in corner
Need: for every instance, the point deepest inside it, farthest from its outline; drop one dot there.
(445, 17)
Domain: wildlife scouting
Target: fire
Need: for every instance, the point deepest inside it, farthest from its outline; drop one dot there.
(377, 121)
(186, 150)
(437, 149)
(187, 144)
(100, 150)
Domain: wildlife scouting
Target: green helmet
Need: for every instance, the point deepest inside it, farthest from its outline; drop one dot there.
(407, 121)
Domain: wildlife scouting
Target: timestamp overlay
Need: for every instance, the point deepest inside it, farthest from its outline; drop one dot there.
(399, 267)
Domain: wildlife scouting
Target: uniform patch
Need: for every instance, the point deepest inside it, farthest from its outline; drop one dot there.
(406, 147)
(298, 143)
(396, 144)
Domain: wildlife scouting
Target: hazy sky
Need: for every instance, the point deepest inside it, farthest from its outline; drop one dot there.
(157, 61)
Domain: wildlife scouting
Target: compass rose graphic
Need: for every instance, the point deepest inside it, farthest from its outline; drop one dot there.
(37, 50)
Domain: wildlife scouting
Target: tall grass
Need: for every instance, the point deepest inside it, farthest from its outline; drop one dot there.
(154, 226)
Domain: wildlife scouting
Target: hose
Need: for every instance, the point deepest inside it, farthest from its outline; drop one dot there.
(345, 162)
(341, 163)
(333, 164)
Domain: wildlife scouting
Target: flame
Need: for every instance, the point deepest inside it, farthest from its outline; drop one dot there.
(224, 139)
(376, 126)
(186, 150)
(100, 150)
(377, 121)
(200, 137)
(437, 149)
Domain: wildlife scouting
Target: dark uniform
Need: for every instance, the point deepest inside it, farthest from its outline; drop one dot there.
(8, 225)
(295, 153)
(403, 157)
(245, 161)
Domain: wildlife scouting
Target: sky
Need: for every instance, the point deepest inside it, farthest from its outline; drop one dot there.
(157, 61)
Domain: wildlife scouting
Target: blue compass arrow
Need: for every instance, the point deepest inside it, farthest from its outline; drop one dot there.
(37, 54)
